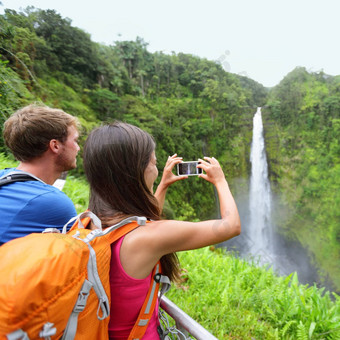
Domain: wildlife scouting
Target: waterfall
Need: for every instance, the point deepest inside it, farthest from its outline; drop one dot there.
(260, 231)
(258, 207)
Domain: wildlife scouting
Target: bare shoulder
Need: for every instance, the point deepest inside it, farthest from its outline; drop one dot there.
(141, 249)
(156, 236)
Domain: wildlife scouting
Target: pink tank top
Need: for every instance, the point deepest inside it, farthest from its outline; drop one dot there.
(127, 297)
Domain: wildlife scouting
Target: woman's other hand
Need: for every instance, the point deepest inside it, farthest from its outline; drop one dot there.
(213, 171)
(168, 176)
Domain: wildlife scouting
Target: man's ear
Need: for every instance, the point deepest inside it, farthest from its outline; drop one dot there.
(55, 146)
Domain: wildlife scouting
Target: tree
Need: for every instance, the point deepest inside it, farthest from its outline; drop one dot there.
(105, 104)
(75, 52)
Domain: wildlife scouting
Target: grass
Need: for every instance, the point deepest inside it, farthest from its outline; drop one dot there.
(78, 190)
(234, 299)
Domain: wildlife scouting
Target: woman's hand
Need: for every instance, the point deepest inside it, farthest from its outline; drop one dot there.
(168, 176)
(213, 171)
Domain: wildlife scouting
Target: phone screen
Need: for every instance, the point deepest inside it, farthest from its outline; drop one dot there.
(188, 169)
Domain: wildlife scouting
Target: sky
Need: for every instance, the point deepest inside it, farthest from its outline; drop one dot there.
(261, 39)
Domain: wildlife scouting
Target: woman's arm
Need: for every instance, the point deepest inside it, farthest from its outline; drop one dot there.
(215, 175)
(189, 235)
(143, 247)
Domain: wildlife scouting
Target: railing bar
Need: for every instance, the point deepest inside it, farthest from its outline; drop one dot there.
(183, 319)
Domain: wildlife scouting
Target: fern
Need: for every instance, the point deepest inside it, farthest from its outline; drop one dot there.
(271, 314)
(287, 326)
(301, 332)
(276, 334)
(311, 330)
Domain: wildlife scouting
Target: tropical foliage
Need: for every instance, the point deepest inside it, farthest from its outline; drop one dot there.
(194, 108)
(190, 105)
(303, 117)
(235, 299)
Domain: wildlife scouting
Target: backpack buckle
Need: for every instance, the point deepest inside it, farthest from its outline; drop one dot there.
(157, 277)
(82, 297)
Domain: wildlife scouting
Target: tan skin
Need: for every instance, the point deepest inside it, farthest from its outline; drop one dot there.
(143, 247)
(57, 158)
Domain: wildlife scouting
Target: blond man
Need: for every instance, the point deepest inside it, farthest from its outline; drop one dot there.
(45, 142)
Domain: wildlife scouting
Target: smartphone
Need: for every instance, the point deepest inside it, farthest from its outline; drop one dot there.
(188, 169)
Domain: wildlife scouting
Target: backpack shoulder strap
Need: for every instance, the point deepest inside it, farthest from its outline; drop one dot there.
(150, 302)
(17, 176)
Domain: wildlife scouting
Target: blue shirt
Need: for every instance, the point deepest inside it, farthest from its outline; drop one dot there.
(30, 207)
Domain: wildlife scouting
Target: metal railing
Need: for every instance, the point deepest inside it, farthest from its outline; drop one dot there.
(184, 322)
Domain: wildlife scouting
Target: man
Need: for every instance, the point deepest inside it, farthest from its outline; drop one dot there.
(45, 141)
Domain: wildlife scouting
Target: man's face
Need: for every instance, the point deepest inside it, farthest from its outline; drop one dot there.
(67, 159)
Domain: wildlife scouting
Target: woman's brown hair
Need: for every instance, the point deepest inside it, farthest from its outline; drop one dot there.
(115, 159)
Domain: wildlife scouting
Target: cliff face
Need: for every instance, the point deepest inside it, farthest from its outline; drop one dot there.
(301, 123)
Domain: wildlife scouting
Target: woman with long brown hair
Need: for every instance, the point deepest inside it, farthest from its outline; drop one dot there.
(120, 164)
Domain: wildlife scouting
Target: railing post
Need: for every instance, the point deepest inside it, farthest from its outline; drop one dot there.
(183, 330)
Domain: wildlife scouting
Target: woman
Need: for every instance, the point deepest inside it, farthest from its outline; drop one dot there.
(120, 164)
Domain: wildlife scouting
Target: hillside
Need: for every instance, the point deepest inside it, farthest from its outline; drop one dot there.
(190, 105)
(303, 134)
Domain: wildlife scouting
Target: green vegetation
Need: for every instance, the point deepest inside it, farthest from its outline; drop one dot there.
(194, 108)
(234, 299)
(78, 190)
(303, 145)
(190, 105)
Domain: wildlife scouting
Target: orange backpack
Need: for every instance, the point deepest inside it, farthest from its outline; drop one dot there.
(56, 285)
